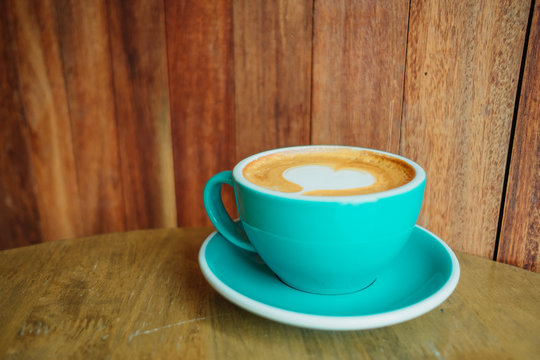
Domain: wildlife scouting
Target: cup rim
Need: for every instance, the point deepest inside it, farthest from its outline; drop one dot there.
(419, 178)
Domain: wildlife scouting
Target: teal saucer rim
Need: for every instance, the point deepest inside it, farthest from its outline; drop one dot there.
(324, 322)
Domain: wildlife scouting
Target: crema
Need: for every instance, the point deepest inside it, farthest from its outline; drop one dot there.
(328, 172)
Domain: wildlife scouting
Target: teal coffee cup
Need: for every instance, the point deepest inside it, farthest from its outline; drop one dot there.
(325, 219)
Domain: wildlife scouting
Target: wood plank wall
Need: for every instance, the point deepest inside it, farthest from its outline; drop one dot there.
(520, 237)
(113, 114)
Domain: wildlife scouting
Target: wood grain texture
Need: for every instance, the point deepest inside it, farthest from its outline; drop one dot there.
(272, 74)
(358, 70)
(463, 62)
(115, 114)
(86, 57)
(19, 217)
(520, 235)
(139, 58)
(141, 295)
(199, 40)
(44, 99)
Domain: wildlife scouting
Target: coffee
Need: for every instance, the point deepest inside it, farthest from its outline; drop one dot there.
(324, 171)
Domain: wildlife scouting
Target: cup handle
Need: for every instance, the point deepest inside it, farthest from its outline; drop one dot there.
(213, 204)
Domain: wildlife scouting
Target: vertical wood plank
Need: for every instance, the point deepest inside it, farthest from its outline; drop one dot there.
(358, 70)
(199, 39)
(139, 58)
(272, 74)
(520, 233)
(43, 95)
(463, 62)
(86, 55)
(19, 217)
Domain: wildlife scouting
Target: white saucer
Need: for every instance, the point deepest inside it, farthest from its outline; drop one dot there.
(425, 274)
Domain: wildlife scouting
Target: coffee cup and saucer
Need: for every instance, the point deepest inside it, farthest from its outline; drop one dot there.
(327, 239)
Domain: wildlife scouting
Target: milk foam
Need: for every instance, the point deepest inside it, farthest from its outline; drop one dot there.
(317, 177)
(328, 172)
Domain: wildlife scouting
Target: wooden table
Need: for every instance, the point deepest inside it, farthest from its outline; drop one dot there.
(141, 294)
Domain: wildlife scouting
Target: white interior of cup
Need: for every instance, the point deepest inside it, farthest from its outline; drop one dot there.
(420, 176)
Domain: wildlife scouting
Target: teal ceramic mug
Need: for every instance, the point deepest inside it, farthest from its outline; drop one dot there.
(331, 242)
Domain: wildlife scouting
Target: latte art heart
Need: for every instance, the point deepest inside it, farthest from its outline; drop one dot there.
(317, 177)
(328, 172)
